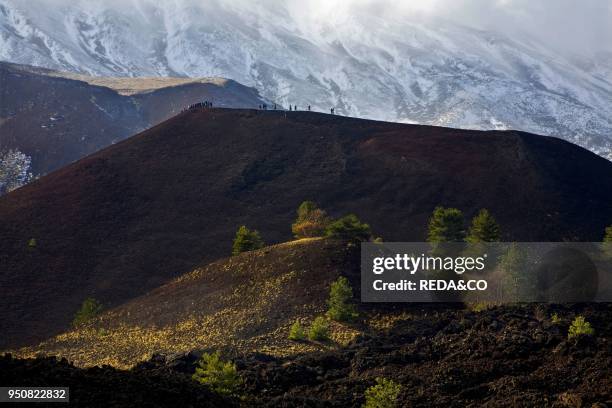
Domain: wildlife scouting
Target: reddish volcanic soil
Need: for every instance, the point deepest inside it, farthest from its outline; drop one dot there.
(129, 218)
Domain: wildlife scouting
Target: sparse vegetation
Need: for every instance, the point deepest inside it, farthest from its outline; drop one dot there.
(102, 332)
(518, 283)
(446, 225)
(608, 234)
(580, 327)
(382, 395)
(340, 297)
(479, 306)
(296, 332)
(89, 309)
(220, 376)
(555, 319)
(32, 243)
(311, 221)
(246, 240)
(350, 228)
(319, 331)
(484, 228)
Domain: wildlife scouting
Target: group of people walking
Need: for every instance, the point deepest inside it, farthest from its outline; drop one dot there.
(199, 105)
(293, 108)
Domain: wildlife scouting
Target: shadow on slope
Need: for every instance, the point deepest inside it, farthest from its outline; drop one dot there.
(144, 211)
(107, 386)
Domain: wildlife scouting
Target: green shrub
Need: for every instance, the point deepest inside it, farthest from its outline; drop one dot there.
(608, 234)
(555, 319)
(350, 228)
(296, 332)
(446, 225)
(607, 243)
(319, 331)
(311, 221)
(479, 306)
(382, 395)
(340, 296)
(580, 327)
(102, 332)
(32, 243)
(220, 376)
(89, 309)
(484, 228)
(246, 240)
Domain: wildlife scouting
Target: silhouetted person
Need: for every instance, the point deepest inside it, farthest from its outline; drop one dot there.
(274, 106)
(308, 108)
(290, 108)
(332, 111)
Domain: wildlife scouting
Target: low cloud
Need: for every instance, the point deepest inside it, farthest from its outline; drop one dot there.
(568, 26)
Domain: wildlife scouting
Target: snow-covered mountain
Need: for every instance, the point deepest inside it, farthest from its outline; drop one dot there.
(428, 71)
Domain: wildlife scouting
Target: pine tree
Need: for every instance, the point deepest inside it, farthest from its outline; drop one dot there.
(340, 296)
(607, 242)
(319, 331)
(446, 225)
(89, 309)
(608, 234)
(382, 395)
(518, 281)
(304, 209)
(311, 221)
(580, 327)
(296, 332)
(220, 376)
(246, 240)
(484, 228)
(350, 228)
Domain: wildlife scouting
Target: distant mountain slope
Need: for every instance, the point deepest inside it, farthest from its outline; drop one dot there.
(57, 118)
(419, 70)
(132, 216)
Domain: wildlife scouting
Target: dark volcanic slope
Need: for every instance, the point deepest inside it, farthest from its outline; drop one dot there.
(130, 217)
(58, 120)
(503, 357)
(108, 387)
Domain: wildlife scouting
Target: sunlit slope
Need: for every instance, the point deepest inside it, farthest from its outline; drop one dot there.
(243, 303)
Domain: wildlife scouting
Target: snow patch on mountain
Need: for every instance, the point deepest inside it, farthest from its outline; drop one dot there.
(431, 71)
